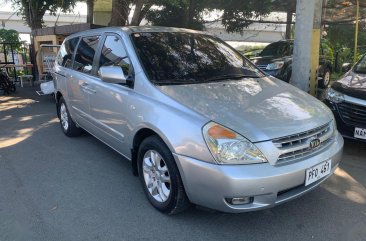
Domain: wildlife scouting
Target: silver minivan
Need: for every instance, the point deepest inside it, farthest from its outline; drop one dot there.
(198, 121)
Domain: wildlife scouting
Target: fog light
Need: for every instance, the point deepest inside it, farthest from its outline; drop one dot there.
(239, 200)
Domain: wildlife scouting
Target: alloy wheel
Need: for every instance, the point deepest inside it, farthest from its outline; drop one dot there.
(64, 117)
(326, 78)
(156, 176)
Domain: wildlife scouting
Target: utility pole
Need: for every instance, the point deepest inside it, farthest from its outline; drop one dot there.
(306, 47)
(356, 31)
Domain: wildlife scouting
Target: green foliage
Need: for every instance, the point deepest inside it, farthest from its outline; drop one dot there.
(328, 50)
(341, 36)
(238, 15)
(10, 36)
(178, 13)
(33, 11)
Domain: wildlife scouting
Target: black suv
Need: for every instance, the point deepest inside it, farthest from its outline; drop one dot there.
(276, 60)
(347, 99)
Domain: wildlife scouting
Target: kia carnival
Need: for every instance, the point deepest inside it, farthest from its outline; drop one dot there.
(198, 121)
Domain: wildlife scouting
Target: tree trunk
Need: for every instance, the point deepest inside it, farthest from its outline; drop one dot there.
(90, 14)
(120, 10)
(137, 13)
(191, 9)
(33, 15)
(144, 11)
(288, 23)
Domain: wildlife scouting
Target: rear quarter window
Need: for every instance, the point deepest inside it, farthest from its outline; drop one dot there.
(66, 52)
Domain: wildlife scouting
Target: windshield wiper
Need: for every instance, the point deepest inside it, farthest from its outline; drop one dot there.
(175, 81)
(230, 77)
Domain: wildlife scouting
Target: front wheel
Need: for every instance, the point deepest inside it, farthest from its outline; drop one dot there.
(160, 177)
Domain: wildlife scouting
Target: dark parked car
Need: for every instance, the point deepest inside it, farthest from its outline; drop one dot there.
(347, 99)
(276, 60)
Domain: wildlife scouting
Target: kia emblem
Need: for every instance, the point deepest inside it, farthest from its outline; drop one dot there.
(314, 143)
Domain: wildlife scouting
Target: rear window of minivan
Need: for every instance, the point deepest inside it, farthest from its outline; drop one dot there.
(66, 52)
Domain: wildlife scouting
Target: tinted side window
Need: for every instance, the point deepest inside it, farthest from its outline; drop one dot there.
(66, 51)
(85, 54)
(114, 54)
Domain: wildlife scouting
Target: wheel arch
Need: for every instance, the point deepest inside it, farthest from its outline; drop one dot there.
(139, 136)
(58, 96)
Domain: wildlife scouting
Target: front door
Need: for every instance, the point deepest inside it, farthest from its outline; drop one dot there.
(111, 103)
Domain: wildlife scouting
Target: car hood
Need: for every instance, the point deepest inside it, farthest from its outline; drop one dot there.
(352, 84)
(258, 108)
(264, 60)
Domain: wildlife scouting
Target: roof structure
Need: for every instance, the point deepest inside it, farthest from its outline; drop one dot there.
(343, 11)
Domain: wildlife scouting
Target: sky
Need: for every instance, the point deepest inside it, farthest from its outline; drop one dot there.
(6, 5)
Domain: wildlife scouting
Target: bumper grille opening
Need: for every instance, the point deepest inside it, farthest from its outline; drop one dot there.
(283, 192)
(352, 114)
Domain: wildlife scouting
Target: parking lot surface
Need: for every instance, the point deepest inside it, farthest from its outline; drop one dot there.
(57, 188)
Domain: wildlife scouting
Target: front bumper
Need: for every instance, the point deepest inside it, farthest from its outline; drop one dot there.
(346, 129)
(209, 185)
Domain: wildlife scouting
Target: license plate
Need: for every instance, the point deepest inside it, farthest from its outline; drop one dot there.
(317, 172)
(360, 133)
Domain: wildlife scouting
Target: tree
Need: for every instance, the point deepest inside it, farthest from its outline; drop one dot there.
(10, 36)
(238, 15)
(121, 10)
(142, 7)
(288, 6)
(90, 11)
(179, 13)
(34, 10)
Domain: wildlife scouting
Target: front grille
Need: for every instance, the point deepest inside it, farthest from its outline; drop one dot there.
(297, 147)
(353, 114)
(262, 66)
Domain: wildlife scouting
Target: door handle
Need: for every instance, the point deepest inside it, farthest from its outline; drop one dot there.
(84, 84)
(90, 90)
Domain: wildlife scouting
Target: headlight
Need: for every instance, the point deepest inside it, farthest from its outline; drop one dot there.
(275, 65)
(334, 126)
(334, 96)
(228, 147)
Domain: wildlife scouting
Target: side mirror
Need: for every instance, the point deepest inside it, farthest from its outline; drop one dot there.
(112, 74)
(346, 67)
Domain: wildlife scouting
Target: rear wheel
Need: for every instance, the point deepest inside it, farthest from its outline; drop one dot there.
(13, 88)
(160, 177)
(324, 82)
(68, 126)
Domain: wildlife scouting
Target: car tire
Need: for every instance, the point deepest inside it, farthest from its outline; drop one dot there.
(13, 88)
(68, 126)
(160, 177)
(325, 80)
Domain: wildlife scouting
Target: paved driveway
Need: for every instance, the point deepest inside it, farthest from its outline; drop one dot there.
(57, 188)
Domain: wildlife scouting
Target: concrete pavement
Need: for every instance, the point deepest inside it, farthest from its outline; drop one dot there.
(57, 188)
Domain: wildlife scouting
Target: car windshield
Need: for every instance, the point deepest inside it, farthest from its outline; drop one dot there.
(277, 49)
(189, 58)
(360, 67)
